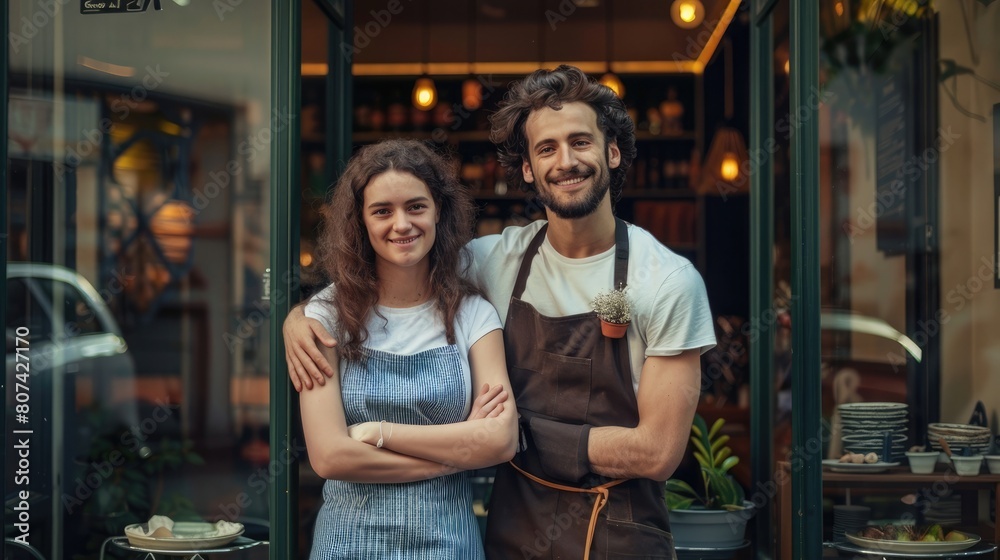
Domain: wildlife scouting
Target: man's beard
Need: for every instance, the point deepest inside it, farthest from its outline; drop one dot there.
(580, 208)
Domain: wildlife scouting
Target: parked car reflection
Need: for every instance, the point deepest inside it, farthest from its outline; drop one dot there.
(77, 364)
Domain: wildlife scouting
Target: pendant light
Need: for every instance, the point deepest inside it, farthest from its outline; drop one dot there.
(687, 14)
(726, 169)
(425, 95)
(609, 79)
(472, 88)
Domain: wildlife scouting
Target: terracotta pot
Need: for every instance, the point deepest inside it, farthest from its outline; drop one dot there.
(613, 330)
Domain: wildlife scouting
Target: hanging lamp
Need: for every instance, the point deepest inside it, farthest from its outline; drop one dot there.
(726, 168)
(609, 79)
(425, 95)
(472, 87)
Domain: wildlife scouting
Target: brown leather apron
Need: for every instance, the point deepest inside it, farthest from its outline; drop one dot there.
(565, 374)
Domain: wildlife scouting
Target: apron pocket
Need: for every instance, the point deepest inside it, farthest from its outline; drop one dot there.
(632, 540)
(570, 402)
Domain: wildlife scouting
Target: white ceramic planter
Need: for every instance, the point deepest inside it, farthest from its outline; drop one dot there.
(700, 528)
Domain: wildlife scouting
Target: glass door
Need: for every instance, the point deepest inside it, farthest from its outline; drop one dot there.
(138, 196)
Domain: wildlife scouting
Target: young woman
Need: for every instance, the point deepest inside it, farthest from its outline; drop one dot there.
(396, 427)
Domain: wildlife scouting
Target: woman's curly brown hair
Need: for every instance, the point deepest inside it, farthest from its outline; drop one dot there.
(348, 258)
(553, 89)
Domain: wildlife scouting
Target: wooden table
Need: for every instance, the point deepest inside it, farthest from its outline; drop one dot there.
(894, 479)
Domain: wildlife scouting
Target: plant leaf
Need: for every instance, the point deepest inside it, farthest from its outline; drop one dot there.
(676, 486)
(702, 460)
(716, 427)
(722, 455)
(701, 447)
(723, 489)
(719, 443)
(729, 463)
(675, 502)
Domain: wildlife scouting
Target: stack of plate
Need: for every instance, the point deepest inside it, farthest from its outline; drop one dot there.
(849, 519)
(944, 511)
(864, 426)
(959, 436)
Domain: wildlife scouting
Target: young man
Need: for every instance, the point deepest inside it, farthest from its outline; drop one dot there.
(604, 421)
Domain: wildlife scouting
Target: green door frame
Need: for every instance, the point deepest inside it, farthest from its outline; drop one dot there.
(284, 239)
(807, 439)
(761, 273)
(807, 436)
(4, 240)
(286, 198)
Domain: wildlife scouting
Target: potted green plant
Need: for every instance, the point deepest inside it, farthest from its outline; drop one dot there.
(614, 310)
(717, 516)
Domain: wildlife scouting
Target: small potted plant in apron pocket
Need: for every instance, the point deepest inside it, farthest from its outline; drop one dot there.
(716, 517)
(614, 310)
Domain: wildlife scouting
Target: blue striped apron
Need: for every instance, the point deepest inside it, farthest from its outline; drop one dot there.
(430, 519)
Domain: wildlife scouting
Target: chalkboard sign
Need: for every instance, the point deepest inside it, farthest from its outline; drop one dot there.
(996, 196)
(116, 6)
(895, 168)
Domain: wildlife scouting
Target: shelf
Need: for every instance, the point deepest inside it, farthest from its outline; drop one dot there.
(484, 135)
(643, 135)
(635, 194)
(452, 136)
(659, 194)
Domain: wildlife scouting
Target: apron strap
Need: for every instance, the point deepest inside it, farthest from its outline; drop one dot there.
(621, 254)
(529, 253)
(621, 258)
(599, 503)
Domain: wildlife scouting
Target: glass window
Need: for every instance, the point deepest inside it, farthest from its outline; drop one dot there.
(78, 316)
(139, 149)
(909, 255)
(23, 310)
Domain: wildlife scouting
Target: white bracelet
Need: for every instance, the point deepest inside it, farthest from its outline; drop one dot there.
(380, 440)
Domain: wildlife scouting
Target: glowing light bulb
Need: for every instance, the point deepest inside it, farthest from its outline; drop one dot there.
(424, 94)
(614, 83)
(686, 11)
(729, 170)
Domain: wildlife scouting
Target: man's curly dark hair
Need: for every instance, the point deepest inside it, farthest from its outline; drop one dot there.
(553, 89)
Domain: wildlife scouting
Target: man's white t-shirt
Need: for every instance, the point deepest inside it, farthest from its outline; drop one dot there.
(411, 330)
(670, 311)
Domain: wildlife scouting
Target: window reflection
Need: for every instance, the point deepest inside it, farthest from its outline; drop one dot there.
(138, 202)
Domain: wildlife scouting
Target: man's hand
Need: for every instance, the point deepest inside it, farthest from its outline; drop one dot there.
(305, 360)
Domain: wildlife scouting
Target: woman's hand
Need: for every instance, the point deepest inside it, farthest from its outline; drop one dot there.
(302, 354)
(365, 432)
(489, 402)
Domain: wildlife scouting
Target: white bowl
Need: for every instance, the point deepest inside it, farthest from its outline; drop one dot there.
(993, 461)
(922, 462)
(967, 466)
